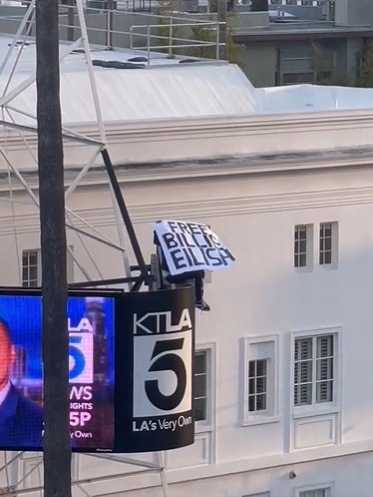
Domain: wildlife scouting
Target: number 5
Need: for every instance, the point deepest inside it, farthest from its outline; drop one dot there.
(167, 362)
(77, 356)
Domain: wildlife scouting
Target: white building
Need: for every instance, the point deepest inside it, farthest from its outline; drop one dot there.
(285, 177)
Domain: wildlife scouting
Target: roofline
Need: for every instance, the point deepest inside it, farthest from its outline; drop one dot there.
(291, 35)
(221, 146)
(171, 126)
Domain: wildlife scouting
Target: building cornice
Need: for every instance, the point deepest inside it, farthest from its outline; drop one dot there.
(199, 139)
(258, 134)
(244, 165)
(146, 212)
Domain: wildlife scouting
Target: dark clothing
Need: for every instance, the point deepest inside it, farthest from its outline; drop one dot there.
(21, 421)
(196, 277)
(192, 276)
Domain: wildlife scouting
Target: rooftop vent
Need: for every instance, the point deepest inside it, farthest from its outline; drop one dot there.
(115, 64)
(188, 61)
(138, 59)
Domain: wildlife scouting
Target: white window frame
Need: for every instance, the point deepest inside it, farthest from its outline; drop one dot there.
(310, 488)
(323, 407)
(70, 265)
(334, 245)
(271, 414)
(309, 247)
(208, 424)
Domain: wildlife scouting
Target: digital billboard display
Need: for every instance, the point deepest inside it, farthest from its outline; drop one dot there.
(130, 370)
(91, 324)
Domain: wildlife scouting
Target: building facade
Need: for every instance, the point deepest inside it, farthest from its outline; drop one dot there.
(285, 177)
(283, 360)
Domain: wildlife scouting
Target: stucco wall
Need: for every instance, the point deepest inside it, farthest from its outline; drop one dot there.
(263, 295)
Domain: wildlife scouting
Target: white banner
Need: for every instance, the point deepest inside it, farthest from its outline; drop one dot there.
(191, 247)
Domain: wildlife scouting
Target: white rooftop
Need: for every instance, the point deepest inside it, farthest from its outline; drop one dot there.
(313, 98)
(166, 89)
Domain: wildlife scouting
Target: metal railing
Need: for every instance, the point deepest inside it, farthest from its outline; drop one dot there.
(175, 42)
(142, 32)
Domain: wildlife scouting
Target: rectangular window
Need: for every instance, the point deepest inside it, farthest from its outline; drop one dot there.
(260, 376)
(328, 240)
(325, 243)
(31, 267)
(303, 246)
(204, 391)
(314, 370)
(319, 492)
(258, 385)
(300, 246)
(200, 385)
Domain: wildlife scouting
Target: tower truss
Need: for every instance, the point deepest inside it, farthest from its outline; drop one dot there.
(18, 469)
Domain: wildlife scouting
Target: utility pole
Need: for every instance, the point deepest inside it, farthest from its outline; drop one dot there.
(56, 443)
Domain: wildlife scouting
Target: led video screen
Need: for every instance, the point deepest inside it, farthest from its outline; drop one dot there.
(91, 357)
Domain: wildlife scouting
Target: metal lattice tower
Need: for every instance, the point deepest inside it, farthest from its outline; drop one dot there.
(15, 467)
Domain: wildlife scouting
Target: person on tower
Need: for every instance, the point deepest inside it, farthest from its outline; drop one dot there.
(197, 277)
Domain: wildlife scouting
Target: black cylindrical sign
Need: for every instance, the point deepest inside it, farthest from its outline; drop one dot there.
(154, 370)
(131, 370)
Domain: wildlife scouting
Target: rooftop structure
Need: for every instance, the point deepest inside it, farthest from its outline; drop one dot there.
(267, 32)
(133, 87)
(180, 97)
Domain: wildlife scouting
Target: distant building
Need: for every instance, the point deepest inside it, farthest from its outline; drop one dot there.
(304, 41)
(286, 42)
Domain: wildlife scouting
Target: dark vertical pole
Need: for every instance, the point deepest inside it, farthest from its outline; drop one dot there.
(56, 444)
(110, 23)
(126, 219)
(70, 20)
(222, 17)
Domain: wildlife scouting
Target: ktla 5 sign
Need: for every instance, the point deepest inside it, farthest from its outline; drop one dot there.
(162, 345)
(165, 388)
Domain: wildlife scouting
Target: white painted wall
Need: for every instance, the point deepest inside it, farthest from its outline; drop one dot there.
(261, 295)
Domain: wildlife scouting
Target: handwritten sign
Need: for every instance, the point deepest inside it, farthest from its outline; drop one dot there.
(189, 247)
